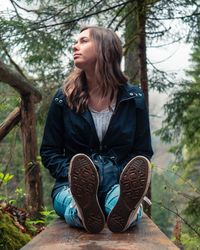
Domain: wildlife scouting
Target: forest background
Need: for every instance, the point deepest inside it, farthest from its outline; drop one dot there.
(36, 40)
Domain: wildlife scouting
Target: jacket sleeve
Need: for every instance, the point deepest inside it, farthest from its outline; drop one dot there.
(142, 143)
(52, 148)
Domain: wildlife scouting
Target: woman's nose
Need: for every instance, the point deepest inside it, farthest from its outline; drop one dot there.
(75, 46)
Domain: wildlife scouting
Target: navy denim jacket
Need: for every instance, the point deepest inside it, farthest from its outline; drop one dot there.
(67, 133)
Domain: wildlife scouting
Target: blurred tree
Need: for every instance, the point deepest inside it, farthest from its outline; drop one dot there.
(182, 127)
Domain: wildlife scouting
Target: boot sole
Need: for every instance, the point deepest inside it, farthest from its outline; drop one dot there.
(84, 182)
(134, 183)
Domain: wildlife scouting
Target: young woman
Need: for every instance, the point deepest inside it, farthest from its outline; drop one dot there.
(96, 140)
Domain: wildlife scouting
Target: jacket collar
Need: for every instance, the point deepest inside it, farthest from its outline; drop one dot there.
(126, 92)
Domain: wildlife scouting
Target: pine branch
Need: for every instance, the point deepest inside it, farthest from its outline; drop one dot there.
(75, 20)
(117, 14)
(52, 16)
(175, 18)
(14, 63)
(160, 71)
(123, 18)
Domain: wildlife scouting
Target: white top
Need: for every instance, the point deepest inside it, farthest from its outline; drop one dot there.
(102, 120)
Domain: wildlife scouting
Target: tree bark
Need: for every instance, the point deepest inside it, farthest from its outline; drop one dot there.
(143, 70)
(33, 180)
(135, 57)
(7, 125)
(142, 50)
(132, 66)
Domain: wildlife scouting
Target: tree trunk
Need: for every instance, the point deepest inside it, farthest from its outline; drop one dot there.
(142, 50)
(132, 66)
(33, 180)
(135, 56)
(143, 70)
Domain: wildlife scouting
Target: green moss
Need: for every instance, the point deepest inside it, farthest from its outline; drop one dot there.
(11, 237)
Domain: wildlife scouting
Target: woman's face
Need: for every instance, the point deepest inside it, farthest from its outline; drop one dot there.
(84, 51)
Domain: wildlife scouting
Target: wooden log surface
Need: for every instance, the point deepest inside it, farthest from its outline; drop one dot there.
(7, 125)
(59, 236)
(15, 80)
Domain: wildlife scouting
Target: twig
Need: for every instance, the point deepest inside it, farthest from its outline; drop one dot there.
(167, 44)
(177, 214)
(14, 3)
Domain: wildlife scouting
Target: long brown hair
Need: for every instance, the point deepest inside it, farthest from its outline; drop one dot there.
(108, 74)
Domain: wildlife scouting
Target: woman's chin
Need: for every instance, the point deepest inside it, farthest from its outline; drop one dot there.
(79, 65)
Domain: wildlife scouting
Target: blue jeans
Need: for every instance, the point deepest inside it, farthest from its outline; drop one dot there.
(65, 206)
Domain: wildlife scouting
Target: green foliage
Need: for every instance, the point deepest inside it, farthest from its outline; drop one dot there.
(183, 119)
(48, 216)
(162, 196)
(11, 237)
(192, 212)
(11, 153)
(29, 224)
(9, 100)
(45, 219)
(191, 242)
(5, 178)
(182, 124)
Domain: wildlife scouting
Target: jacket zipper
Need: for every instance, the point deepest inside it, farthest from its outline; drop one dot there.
(100, 145)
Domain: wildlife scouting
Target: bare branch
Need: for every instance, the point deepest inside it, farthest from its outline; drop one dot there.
(178, 215)
(167, 44)
(182, 179)
(175, 18)
(14, 3)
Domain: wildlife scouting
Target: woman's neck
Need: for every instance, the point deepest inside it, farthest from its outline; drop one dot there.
(90, 77)
(93, 88)
(96, 99)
